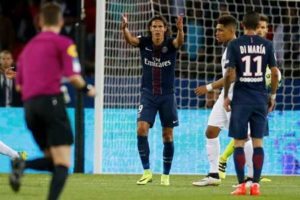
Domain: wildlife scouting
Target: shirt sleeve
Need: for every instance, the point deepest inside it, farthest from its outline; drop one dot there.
(70, 61)
(170, 44)
(142, 41)
(272, 57)
(230, 56)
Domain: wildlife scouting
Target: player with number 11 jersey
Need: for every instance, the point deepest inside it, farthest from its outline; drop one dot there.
(256, 54)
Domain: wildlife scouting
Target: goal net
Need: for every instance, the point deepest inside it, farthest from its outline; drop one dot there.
(198, 63)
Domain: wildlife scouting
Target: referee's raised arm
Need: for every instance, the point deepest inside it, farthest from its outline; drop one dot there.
(130, 39)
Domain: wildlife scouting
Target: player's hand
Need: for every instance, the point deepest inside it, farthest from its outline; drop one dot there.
(91, 92)
(271, 105)
(226, 104)
(179, 23)
(201, 90)
(10, 73)
(124, 21)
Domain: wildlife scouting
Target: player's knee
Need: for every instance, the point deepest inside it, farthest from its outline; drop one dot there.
(62, 162)
(257, 142)
(167, 138)
(168, 135)
(212, 132)
(142, 131)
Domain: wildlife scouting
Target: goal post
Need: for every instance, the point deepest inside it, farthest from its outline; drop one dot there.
(99, 83)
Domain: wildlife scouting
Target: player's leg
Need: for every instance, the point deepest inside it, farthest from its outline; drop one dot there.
(144, 151)
(248, 148)
(6, 150)
(61, 158)
(258, 159)
(224, 157)
(146, 117)
(168, 153)
(169, 119)
(41, 164)
(213, 150)
(218, 119)
(238, 130)
(264, 179)
(36, 126)
(38, 130)
(142, 142)
(59, 139)
(227, 152)
(258, 123)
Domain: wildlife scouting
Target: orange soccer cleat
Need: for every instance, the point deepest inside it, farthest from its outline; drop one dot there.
(240, 190)
(254, 189)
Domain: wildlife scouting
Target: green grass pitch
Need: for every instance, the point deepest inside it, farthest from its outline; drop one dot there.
(123, 187)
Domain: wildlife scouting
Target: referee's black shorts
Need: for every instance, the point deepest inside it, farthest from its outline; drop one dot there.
(47, 119)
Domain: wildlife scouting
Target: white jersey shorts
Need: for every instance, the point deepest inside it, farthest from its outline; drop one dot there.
(218, 116)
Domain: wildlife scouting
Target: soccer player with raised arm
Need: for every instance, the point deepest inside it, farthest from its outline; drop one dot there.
(262, 31)
(246, 63)
(158, 57)
(218, 118)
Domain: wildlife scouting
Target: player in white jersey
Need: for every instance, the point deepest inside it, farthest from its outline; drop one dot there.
(219, 118)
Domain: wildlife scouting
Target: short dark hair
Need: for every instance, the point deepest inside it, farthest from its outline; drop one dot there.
(51, 13)
(5, 52)
(163, 20)
(227, 20)
(251, 20)
(264, 18)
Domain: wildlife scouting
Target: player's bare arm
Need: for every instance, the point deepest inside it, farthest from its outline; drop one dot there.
(274, 86)
(179, 40)
(132, 40)
(203, 89)
(229, 76)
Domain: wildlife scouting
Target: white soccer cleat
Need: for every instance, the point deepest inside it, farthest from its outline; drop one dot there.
(207, 181)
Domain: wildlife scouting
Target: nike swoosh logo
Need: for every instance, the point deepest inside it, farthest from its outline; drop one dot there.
(174, 122)
(148, 49)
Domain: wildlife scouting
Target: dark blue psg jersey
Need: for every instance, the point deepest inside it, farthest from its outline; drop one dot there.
(250, 55)
(158, 66)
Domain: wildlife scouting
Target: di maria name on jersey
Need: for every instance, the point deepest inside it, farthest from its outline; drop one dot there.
(250, 55)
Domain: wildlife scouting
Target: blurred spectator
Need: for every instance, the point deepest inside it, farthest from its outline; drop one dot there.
(22, 21)
(34, 9)
(7, 33)
(90, 22)
(8, 95)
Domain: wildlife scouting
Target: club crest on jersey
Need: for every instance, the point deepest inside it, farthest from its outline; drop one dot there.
(71, 51)
(164, 49)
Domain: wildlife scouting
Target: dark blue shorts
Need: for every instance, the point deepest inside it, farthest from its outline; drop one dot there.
(256, 115)
(164, 104)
